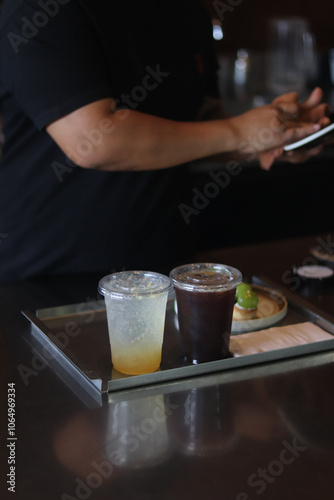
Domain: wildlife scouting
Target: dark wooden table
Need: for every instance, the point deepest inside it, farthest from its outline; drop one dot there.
(264, 431)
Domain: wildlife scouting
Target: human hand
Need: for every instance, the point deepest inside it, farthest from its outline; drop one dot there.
(265, 130)
(312, 110)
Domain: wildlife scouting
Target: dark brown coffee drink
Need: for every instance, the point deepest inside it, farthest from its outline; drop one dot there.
(205, 298)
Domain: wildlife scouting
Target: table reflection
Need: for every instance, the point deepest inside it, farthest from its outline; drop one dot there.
(203, 423)
(137, 434)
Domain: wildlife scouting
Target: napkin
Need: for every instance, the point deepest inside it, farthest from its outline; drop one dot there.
(277, 338)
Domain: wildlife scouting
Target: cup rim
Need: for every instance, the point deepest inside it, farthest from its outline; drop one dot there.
(235, 277)
(105, 288)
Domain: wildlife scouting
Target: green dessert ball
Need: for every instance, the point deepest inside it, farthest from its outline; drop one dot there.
(248, 300)
(242, 288)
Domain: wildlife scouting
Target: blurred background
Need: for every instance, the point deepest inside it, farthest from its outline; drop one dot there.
(289, 200)
(246, 25)
(244, 44)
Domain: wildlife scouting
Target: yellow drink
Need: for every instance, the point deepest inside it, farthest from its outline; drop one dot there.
(136, 307)
(136, 362)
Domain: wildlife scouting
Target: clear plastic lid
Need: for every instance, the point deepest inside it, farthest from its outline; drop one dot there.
(206, 277)
(134, 283)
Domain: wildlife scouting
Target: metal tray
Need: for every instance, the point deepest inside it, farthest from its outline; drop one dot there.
(73, 340)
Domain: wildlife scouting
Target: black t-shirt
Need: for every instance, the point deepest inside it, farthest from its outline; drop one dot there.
(56, 56)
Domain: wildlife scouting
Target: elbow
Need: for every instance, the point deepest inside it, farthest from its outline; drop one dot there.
(97, 151)
(84, 153)
(93, 137)
(87, 155)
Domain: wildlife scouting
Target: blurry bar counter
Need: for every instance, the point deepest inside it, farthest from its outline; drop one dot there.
(265, 429)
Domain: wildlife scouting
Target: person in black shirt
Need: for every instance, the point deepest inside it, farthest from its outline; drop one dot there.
(100, 103)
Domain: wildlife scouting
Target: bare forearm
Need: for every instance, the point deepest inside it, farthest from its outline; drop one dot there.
(96, 136)
(137, 141)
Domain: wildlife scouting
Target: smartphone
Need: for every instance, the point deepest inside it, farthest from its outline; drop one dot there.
(320, 137)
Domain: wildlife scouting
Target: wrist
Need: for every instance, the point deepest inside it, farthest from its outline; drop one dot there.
(233, 134)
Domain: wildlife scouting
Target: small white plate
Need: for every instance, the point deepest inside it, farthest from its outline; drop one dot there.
(272, 307)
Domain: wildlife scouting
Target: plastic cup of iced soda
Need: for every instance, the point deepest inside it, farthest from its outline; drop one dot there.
(205, 295)
(136, 310)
